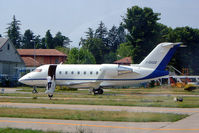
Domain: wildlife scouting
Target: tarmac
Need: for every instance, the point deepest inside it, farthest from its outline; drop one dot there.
(188, 125)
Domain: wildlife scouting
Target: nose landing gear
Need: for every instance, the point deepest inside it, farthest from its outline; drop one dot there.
(34, 91)
(50, 96)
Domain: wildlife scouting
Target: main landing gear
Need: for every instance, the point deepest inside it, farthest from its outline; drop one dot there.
(98, 91)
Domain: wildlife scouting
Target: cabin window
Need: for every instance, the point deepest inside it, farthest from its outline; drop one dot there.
(59, 72)
(97, 73)
(84, 72)
(66, 72)
(72, 72)
(91, 73)
(78, 72)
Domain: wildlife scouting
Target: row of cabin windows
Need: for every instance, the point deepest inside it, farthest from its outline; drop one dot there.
(72, 72)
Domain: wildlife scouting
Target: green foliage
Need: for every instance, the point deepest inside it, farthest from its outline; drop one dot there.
(82, 56)
(143, 30)
(95, 46)
(14, 32)
(186, 57)
(103, 42)
(116, 36)
(28, 40)
(64, 50)
(49, 40)
(42, 44)
(86, 57)
(60, 40)
(101, 32)
(73, 56)
(124, 50)
(110, 57)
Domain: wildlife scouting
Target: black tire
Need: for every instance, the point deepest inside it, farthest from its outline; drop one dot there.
(95, 92)
(100, 91)
(50, 95)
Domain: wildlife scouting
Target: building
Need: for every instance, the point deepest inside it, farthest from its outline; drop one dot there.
(37, 57)
(10, 61)
(124, 61)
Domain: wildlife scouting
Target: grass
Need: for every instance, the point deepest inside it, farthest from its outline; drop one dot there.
(90, 115)
(16, 130)
(156, 90)
(147, 101)
(114, 97)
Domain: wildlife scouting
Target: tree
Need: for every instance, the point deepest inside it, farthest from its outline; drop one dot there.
(95, 46)
(63, 49)
(28, 40)
(73, 56)
(14, 32)
(38, 42)
(186, 57)
(86, 57)
(42, 44)
(82, 56)
(163, 31)
(116, 36)
(60, 40)
(124, 50)
(101, 34)
(90, 33)
(142, 31)
(49, 40)
(110, 57)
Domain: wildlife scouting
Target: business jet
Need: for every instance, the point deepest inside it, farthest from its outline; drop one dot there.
(96, 76)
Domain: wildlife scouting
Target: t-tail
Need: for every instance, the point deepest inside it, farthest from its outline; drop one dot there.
(160, 56)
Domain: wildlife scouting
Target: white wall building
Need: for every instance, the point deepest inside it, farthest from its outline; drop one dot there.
(10, 60)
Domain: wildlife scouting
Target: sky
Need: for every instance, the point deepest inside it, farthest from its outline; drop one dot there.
(73, 17)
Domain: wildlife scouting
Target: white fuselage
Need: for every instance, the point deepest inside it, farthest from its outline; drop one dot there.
(94, 76)
(89, 76)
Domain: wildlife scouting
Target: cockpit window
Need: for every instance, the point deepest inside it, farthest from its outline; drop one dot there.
(37, 70)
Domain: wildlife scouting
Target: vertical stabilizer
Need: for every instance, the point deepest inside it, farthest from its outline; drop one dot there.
(160, 56)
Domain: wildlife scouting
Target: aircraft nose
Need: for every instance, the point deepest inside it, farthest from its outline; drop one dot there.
(21, 80)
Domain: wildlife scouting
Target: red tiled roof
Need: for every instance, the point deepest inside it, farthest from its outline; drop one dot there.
(126, 60)
(40, 52)
(30, 62)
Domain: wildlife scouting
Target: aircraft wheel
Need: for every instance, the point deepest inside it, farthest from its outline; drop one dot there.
(95, 92)
(100, 91)
(50, 95)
